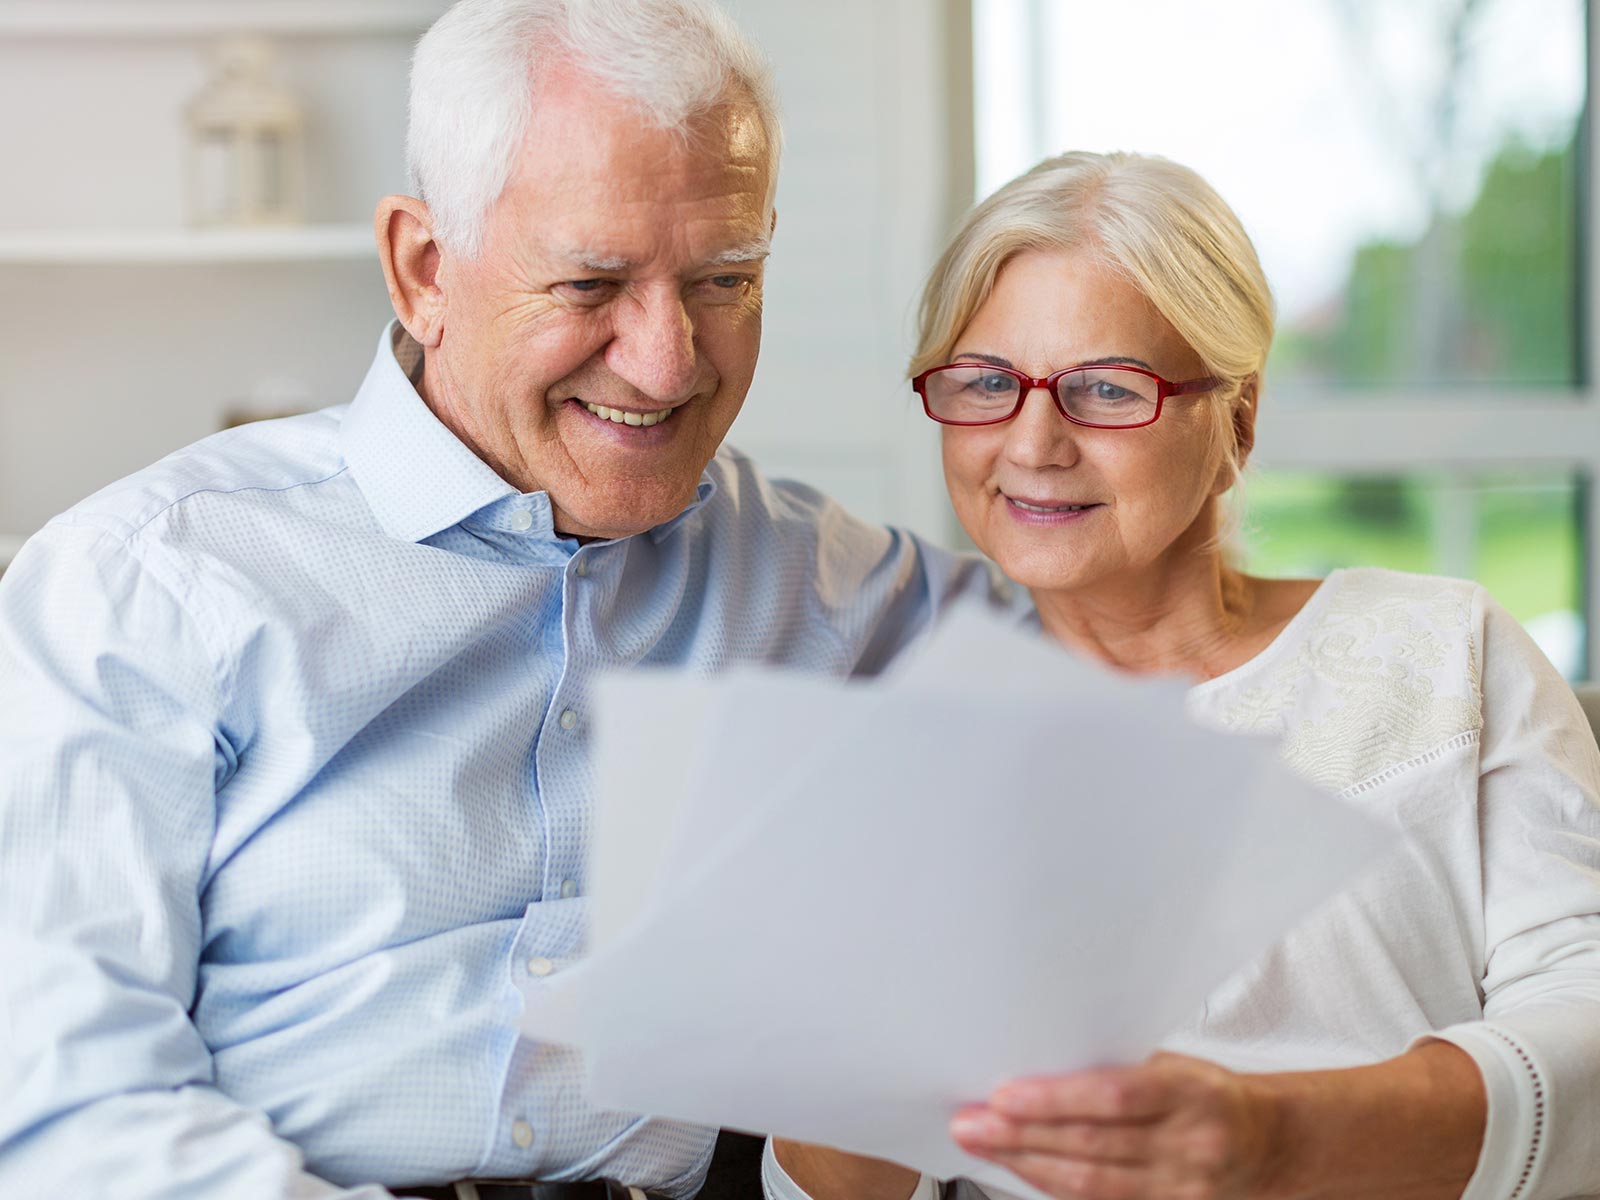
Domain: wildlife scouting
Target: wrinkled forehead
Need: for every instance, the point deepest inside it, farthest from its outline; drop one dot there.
(595, 177)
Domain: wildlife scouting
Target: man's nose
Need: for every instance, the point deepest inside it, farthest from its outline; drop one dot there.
(1039, 436)
(653, 348)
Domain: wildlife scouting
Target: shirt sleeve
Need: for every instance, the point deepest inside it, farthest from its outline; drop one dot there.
(1538, 1046)
(109, 739)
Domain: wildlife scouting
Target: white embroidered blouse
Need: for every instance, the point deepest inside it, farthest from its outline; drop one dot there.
(1422, 700)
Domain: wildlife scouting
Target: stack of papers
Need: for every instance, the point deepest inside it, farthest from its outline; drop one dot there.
(837, 912)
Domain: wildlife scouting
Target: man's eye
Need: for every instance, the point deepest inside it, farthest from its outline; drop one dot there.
(724, 288)
(585, 288)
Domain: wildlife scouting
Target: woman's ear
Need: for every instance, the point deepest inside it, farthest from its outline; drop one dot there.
(403, 226)
(1244, 419)
(1242, 429)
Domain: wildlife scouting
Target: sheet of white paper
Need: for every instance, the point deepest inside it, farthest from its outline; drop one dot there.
(940, 884)
(967, 888)
(647, 726)
(665, 795)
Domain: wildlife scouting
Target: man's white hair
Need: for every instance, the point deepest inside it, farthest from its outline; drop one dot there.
(473, 74)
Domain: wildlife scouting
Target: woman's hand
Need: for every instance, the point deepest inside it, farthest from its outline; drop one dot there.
(1408, 1128)
(1172, 1127)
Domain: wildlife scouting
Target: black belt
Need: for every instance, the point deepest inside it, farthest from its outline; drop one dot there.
(734, 1174)
(586, 1189)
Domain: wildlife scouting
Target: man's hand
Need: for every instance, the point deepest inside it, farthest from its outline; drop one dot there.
(1172, 1127)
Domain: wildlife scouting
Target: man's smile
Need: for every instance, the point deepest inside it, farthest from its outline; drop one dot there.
(621, 416)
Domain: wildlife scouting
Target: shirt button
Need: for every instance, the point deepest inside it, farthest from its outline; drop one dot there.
(569, 888)
(522, 1134)
(569, 719)
(540, 967)
(522, 520)
(581, 568)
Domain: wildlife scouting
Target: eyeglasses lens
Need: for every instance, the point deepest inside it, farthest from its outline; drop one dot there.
(1107, 396)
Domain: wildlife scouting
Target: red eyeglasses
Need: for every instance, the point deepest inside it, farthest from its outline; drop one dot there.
(1101, 396)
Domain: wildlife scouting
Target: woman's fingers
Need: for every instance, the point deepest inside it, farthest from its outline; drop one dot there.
(987, 1133)
(1074, 1179)
(1172, 1127)
(1140, 1093)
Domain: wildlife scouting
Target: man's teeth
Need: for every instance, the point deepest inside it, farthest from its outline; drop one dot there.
(1043, 509)
(628, 418)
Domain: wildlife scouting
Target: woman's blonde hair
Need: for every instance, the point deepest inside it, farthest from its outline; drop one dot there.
(1156, 223)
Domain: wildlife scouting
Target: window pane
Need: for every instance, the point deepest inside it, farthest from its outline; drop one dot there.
(1518, 534)
(1406, 167)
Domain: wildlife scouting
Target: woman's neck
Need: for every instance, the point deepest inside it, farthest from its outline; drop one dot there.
(1199, 618)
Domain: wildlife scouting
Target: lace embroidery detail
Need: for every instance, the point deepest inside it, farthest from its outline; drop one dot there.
(1536, 1139)
(1390, 671)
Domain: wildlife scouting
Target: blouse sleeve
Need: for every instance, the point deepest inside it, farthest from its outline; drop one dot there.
(1538, 1045)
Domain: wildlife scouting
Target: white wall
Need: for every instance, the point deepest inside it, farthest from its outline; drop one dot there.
(104, 368)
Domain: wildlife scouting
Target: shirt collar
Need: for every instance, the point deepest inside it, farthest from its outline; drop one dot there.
(417, 476)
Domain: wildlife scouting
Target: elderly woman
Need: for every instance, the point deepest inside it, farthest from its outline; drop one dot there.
(1092, 343)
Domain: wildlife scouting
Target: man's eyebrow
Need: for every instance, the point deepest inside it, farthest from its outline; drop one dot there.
(748, 253)
(588, 260)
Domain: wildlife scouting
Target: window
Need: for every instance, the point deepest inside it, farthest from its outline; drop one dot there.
(1413, 173)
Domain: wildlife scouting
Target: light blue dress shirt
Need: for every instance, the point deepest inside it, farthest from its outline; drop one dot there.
(295, 790)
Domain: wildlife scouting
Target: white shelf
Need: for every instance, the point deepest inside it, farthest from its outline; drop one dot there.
(204, 18)
(306, 243)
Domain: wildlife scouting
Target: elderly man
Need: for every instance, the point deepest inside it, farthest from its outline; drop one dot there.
(296, 782)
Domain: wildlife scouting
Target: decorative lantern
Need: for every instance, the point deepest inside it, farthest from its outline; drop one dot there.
(246, 142)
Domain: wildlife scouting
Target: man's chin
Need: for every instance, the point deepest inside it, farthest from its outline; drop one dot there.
(609, 519)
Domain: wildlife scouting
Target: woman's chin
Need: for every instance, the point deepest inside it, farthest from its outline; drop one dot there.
(1043, 571)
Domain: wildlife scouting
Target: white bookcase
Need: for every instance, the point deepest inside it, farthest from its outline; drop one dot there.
(130, 333)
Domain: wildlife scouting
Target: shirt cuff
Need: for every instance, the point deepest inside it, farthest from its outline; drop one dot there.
(776, 1184)
(1514, 1135)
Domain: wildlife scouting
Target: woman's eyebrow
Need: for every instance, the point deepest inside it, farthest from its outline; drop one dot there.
(1109, 360)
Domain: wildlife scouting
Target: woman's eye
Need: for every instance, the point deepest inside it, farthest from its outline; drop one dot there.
(995, 383)
(1110, 391)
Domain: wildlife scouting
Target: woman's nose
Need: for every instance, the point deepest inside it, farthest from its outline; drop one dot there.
(1039, 436)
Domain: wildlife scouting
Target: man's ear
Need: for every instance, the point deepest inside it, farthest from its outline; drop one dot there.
(410, 256)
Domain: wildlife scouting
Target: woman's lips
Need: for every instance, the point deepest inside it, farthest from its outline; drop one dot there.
(1038, 510)
(1031, 504)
